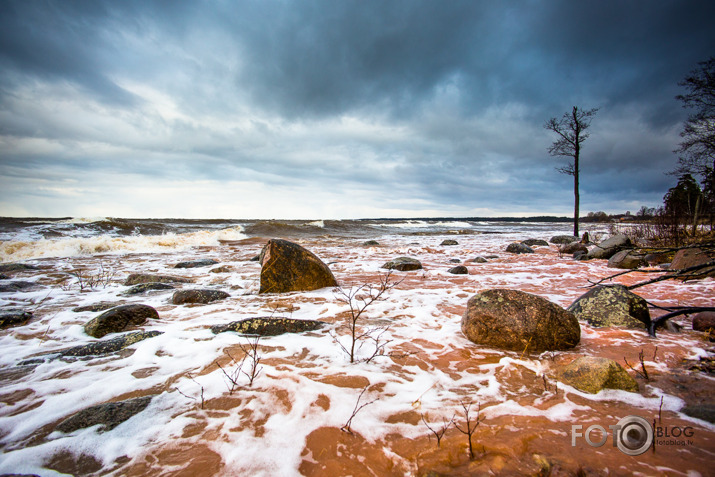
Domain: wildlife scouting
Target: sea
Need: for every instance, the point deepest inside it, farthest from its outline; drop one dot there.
(309, 410)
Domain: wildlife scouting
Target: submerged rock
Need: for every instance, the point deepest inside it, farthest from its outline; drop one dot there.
(221, 269)
(145, 287)
(479, 260)
(268, 326)
(197, 263)
(183, 297)
(611, 305)
(98, 348)
(16, 267)
(10, 318)
(118, 319)
(137, 278)
(108, 415)
(403, 264)
(16, 286)
(95, 307)
(704, 412)
(690, 257)
(449, 242)
(518, 321)
(459, 270)
(108, 346)
(517, 247)
(592, 374)
(370, 243)
(288, 267)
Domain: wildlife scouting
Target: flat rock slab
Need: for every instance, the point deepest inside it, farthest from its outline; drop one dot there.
(119, 318)
(145, 287)
(183, 297)
(108, 415)
(137, 278)
(17, 286)
(10, 318)
(196, 263)
(268, 326)
(592, 374)
(95, 307)
(403, 264)
(98, 348)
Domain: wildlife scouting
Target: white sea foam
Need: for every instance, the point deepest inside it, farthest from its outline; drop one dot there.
(17, 250)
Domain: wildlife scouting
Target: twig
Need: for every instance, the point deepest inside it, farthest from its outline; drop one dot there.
(469, 428)
(644, 372)
(358, 408)
(439, 434)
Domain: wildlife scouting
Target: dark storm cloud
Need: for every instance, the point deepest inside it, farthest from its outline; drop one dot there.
(444, 101)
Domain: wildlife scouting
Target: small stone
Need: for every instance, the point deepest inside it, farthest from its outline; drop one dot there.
(563, 239)
(459, 270)
(480, 260)
(145, 287)
(535, 243)
(519, 248)
(449, 242)
(370, 243)
(403, 264)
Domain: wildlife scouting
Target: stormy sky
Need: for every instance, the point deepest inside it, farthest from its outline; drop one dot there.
(338, 109)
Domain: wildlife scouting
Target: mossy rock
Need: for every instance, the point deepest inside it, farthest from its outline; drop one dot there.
(611, 305)
(593, 374)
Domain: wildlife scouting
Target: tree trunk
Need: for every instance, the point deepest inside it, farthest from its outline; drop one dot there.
(695, 215)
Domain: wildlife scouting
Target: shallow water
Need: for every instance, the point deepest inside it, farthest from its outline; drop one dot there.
(289, 420)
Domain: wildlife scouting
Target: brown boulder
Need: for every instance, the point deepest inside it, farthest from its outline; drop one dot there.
(518, 321)
(592, 374)
(287, 267)
(690, 257)
(183, 297)
(704, 321)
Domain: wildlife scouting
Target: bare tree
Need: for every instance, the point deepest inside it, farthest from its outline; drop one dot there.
(571, 129)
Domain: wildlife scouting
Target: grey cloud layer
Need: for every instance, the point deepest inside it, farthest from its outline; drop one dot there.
(441, 102)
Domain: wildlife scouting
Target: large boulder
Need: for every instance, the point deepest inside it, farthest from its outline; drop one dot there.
(268, 326)
(610, 247)
(518, 321)
(627, 259)
(611, 305)
(107, 416)
(287, 267)
(518, 247)
(403, 264)
(690, 257)
(591, 374)
(183, 297)
(118, 319)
